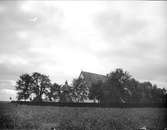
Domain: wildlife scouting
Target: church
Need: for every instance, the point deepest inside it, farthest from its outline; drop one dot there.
(89, 78)
(86, 80)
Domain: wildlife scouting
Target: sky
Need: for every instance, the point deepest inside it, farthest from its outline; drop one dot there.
(62, 38)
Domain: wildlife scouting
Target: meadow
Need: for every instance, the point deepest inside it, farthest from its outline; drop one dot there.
(26, 117)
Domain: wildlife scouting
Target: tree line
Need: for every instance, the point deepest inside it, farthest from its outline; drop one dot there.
(119, 87)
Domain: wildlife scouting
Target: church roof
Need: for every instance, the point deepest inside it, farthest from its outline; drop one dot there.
(92, 77)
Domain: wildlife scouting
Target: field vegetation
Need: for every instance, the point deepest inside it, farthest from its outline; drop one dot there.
(26, 117)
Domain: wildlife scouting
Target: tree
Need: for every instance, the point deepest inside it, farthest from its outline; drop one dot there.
(119, 76)
(40, 85)
(111, 93)
(24, 87)
(96, 91)
(132, 85)
(80, 90)
(54, 92)
(37, 84)
(116, 87)
(164, 96)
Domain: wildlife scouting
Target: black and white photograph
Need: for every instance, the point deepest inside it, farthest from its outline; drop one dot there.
(83, 65)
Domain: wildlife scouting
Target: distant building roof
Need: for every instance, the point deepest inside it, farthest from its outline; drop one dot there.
(92, 77)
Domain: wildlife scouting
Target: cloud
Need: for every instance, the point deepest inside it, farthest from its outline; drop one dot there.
(115, 25)
(8, 84)
(60, 39)
(136, 39)
(5, 94)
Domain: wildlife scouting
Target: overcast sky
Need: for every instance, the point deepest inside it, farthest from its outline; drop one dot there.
(60, 39)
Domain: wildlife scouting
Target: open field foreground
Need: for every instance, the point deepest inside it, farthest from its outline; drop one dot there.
(26, 117)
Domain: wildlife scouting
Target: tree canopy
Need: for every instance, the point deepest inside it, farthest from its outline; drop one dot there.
(96, 91)
(24, 87)
(121, 87)
(80, 90)
(36, 84)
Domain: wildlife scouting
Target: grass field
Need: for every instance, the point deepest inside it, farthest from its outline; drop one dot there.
(26, 117)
